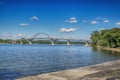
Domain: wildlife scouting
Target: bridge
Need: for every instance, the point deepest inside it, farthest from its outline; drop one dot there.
(45, 36)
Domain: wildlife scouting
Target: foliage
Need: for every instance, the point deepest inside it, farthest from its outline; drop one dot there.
(106, 38)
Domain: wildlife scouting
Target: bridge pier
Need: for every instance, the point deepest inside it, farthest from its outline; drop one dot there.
(29, 42)
(86, 44)
(52, 42)
(21, 42)
(68, 42)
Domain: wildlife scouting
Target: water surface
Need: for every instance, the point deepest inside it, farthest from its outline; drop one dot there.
(24, 60)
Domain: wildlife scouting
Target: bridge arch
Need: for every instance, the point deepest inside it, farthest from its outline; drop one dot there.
(35, 36)
(52, 40)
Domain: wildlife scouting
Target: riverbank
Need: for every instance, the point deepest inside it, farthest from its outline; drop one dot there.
(104, 71)
(111, 49)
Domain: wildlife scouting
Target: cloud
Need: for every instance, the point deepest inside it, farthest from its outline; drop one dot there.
(98, 18)
(34, 18)
(20, 35)
(102, 28)
(118, 24)
(67, 30)
(104, 18)
(106, 21)
(72, 20)
(24, 24)
(94, 22)
(101, 19)
(6, 35)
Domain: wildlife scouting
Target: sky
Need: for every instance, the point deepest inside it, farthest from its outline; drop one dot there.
(58, 18)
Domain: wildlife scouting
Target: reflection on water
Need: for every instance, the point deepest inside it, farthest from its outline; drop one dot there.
(23, 60)
(106, 52)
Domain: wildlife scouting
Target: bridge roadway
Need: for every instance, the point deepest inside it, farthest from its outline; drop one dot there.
(53, 40)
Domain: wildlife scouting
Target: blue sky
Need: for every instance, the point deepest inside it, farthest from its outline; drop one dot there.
(76, 18)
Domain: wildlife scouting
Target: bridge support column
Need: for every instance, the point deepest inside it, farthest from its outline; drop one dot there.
(68, 42)
(30, 42)
(52, 42)
(86, 44)
(21, 42)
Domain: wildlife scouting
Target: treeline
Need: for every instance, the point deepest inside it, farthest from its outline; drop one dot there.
(5, 41)
(106, 38)
(10, 41)
(25, 41)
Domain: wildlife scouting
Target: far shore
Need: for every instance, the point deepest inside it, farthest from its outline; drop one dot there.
(111, 49)
(104, 48)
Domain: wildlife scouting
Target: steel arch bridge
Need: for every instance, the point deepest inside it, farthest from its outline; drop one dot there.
(48, 37)
(53, 39)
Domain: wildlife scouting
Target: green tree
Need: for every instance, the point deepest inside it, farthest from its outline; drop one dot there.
(106, 38)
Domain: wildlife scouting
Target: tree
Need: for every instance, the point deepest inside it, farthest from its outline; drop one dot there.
(95, 36)
(106, 38)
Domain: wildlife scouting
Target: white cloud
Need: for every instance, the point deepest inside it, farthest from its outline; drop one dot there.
(20, 35)
(6, 35)
(34, 18)
(24, 24)
(67, 30)
(72, 20)
(98, 18)
(94, 22)
(106, 21)
(102, 28)
(104, 18)
(118, 24)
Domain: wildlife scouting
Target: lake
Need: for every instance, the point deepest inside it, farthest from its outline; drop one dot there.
(23, 60)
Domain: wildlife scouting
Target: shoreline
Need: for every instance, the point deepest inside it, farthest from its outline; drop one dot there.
(104, 71)
(113, 49)
(110, 49)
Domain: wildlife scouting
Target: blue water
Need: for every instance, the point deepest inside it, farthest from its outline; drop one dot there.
(24, 60)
